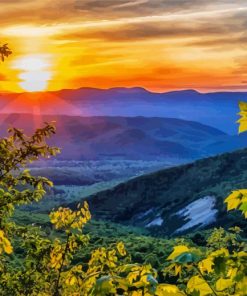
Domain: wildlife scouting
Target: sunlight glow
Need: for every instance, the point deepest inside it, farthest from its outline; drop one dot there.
(29, 31)
(35, 73)
(34, 80)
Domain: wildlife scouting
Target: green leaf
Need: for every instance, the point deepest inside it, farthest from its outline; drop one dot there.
(104, 286)
(219, 265)
(243, 207)
(178, 250)
(186, 257)
(152, 280)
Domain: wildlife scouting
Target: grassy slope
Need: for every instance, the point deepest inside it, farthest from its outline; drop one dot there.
(169, 190)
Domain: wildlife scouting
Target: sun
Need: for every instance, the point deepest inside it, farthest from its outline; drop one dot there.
(34, 80)
(34, 72)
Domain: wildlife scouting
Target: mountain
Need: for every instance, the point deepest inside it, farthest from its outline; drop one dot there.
(177, 200)
(137, 138)
(214, 109)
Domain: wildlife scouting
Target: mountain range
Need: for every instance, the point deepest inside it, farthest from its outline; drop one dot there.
(214, 109)
(133, 138)
(135, 124)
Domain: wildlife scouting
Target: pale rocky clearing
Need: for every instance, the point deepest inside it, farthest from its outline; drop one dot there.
(199, 213)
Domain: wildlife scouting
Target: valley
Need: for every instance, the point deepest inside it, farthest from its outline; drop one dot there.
(171, 200)
(156, 173)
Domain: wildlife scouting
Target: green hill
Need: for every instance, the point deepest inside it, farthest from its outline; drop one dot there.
(177, 200)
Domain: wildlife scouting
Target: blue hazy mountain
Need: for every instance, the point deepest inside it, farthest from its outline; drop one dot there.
(137, 138)
(213, 109)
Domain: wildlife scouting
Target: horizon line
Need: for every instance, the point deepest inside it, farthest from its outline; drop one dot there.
(129, 88)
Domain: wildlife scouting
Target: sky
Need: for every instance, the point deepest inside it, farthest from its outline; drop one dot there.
(160, 45)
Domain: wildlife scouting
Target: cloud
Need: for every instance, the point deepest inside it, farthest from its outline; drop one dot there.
(148, 7)
(150, 30)
(217, 30)
(124, 19)
(142, 42)
(214, 43)
(240, 71)
(52, 12)
(3, 77)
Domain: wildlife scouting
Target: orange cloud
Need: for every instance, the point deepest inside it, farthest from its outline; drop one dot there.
(155, 44)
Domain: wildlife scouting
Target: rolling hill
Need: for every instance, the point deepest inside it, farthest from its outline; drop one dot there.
(177, 200)
(133, 138)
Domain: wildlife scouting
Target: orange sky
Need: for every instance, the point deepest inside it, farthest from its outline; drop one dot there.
(157, 44)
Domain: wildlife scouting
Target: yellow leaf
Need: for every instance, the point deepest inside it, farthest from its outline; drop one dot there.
(233, 200)
(206, 265)
(178, 269)
(243, 106)
(242, 125)
(5, 244)
(137, 293)
(132, 276)
(233, 204)
(221, 252)
(232, 273)
(233, 195)
(8, 249)
(243, 120)
(223, 284)
(166, 289)
(121, 249)
(123, 284)
(177, 251)
(242, 254)
(72, 280)
(241, 286)
(196, 283)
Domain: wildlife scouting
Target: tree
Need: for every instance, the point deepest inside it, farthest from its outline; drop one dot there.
(5, 52)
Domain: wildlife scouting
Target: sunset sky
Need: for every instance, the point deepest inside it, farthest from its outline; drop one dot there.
(157, 44)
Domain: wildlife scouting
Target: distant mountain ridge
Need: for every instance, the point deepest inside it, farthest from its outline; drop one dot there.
(214, 109)
(137, 138)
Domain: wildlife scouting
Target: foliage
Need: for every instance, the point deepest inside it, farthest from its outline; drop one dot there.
(238, 198)
(17, 185)
(4, 51)
(213, 272)
(243, 117)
